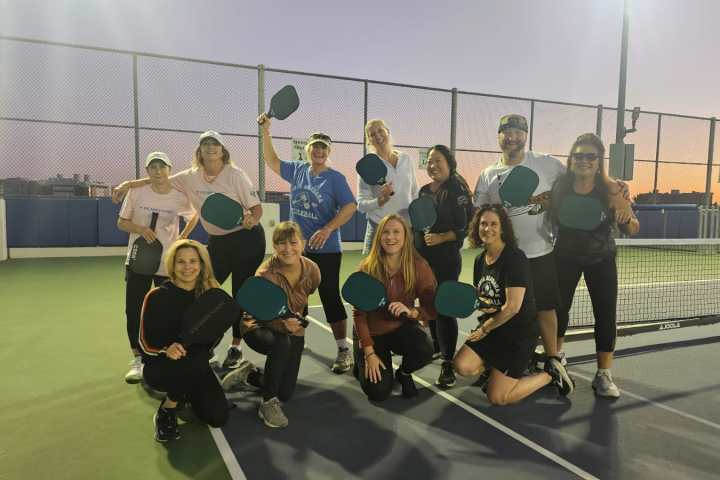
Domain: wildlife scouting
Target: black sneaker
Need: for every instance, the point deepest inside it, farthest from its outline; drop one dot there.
(447, 375)
(560, 377)
(408, 385)
(483, 380)
(233, 358)
(166, 427)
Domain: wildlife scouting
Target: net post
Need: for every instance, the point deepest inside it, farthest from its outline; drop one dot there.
(261, 110)
(657, 157)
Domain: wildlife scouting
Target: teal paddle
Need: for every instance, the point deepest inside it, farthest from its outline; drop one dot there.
(581, 212)
(423, 214)
(265, 301)
(457, 299)
(222, 211)
(518, 186)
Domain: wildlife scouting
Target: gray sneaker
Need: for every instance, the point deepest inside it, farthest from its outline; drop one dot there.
(343, 362)
(604, 386)
(237, 379)
(134, 375)
(271, 413)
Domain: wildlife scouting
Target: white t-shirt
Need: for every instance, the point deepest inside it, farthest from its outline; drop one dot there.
(533, 233)
(402, 176)
(232, 181)
(141, 203)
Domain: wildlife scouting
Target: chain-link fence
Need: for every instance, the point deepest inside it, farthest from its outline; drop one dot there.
(70, 110)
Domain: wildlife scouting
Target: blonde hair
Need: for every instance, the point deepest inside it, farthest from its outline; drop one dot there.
(371, 123)
(206, 279)
(375, 264)
(198, 162)
(285, 231)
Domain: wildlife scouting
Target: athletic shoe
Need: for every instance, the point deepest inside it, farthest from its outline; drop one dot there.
(406, 383)
(560, 377)
(233, 358)
(343, 362)
(237, 378)
(447, 375)
(563, 360)
(271, 413)
(604, 386)
(134, 375)
(483, 380)
(166, 428)
(436, 356)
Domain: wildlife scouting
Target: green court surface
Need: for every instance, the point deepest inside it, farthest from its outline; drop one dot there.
(66, 412)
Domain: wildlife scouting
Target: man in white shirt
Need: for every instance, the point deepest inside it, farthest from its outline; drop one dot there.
(533, 232)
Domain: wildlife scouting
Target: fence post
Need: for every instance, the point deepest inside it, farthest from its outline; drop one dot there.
(657, 157)
(598, 121)
(136, 116)
(711, 153)
(532, 124)
(261, 153)
(365, 115)
(453, 119)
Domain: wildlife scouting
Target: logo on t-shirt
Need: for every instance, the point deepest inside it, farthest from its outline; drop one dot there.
(305, 203)
(489, 289)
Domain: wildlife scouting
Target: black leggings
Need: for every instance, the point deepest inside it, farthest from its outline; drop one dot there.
(136, 287)
(602, 284)
(240, 254)
(282, 365)
(446, 264)
(329, 288)
(410, 341)
(189, 379)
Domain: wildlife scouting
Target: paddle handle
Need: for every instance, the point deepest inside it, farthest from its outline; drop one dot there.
(383, 182)
(303, 321)
(153, 221)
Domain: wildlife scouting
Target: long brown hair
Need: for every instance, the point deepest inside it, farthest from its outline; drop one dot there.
(375, 264)
(206, 279)
(507, 234)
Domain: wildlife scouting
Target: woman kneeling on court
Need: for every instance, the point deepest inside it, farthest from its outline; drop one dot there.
(506, 338)
(282, 340)
(407, 276)
(184, 373)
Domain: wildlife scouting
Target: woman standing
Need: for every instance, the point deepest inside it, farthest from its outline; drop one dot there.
(407, 277)
(182, 372)
(238, 251)
(281, 340)
(320, 203)
(590, 254)
(441, 245)
(159, 197)
(401, 188)
(506, 338)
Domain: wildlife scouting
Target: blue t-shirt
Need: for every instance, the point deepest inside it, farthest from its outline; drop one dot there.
(316, 199)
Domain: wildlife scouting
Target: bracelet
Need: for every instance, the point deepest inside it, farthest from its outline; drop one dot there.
(369, 355)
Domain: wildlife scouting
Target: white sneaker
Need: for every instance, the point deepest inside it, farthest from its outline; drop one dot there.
(134, 375)
(604, 386)
(343, 362)
(237, 379)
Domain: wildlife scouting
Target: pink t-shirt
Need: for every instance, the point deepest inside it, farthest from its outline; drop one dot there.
(141, 203)
(231, 181)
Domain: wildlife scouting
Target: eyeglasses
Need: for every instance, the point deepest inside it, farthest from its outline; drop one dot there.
(588, 157)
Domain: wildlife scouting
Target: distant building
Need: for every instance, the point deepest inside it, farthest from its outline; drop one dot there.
(58, 186)
(675, 196)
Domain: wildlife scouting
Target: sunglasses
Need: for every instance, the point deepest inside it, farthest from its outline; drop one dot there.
(588, 157)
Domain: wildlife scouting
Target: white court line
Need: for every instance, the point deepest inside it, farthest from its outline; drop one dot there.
(490, 421)
(651, 402)
(231, 463)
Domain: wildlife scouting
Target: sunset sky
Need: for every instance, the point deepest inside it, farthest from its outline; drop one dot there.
(566, 50)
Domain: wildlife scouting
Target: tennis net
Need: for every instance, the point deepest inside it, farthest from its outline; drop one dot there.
(665, 282)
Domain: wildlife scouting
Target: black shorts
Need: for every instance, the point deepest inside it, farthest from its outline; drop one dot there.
(545, 282)
(509, 355)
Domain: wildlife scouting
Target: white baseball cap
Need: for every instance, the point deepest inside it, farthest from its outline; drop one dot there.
(214, 135)
(158, 156)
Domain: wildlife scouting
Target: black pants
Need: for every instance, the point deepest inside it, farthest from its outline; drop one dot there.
(190, 379)
(329, 288)
(136, 287)
(446, 264)
(410, 341)
(240, 254)
(282, 365)
(602, 284)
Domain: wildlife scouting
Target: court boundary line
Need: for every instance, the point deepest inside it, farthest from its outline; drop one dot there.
(689, 416)
(488, 420)
(226, 453)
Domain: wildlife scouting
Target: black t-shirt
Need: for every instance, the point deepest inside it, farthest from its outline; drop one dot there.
(588, 247)
(511, 269)
(161, 319)
(454, 210)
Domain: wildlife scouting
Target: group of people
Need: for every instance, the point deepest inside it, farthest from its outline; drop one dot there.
(527, 271)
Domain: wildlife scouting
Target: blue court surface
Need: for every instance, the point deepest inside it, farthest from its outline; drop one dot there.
(665, 425)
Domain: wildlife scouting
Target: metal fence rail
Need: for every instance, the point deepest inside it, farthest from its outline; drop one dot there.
(69, 109)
